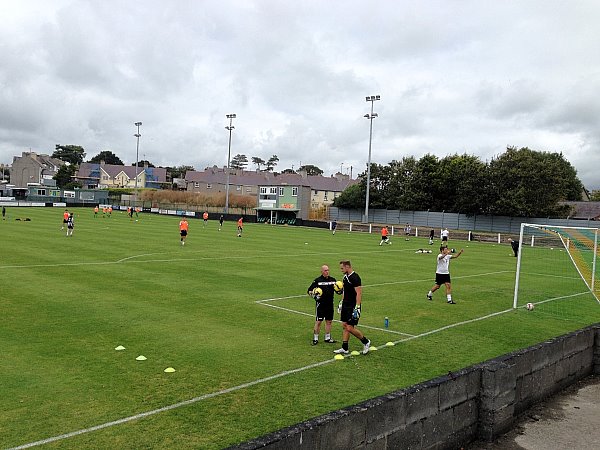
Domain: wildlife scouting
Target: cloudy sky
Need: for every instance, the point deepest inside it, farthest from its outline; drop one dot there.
(454, 77)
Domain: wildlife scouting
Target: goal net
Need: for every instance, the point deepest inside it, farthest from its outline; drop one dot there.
(557, 269)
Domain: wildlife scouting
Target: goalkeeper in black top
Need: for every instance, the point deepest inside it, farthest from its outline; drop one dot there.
(323, 304)
(351, 308)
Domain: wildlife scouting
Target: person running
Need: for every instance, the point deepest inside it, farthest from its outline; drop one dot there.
(205, 218)
(431, 236)
(240, 226)
(109, 212)
(4, 213)
(324, 304)
(96, 212)
(220, 222)
(442, 273)
(65, 218)
(407, 229)
(384, 236)
(333, 226)
(70, 225)
(183, 230)
(351, 308)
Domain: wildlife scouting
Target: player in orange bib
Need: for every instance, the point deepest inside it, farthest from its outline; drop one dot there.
(384, 236)
(183, 230)
(205, 217)
(96, 212)
(240, 226)
(65, 218)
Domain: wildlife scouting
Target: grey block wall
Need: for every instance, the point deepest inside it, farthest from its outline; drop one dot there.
(478, 402)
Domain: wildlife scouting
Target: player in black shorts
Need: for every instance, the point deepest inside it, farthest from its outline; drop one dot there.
(324, 304)
(351, 308)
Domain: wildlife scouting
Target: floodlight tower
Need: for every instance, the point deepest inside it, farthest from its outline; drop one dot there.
(372, 99)
(137, 152)
(230, 128)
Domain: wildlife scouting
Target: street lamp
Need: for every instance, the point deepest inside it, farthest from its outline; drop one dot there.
(137, 151)
(230, 128)
(372, 99)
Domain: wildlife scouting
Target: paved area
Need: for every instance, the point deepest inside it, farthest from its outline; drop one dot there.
(570, 421)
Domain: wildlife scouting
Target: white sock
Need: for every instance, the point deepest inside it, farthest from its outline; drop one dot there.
(430, 293)
(449, 297)
(316, 337)
(327, 336)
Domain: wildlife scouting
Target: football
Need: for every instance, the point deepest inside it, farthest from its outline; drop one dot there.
(530, 306)
(317, 292)
(338, 287)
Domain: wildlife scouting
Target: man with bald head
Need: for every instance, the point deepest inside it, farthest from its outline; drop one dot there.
(323, 304)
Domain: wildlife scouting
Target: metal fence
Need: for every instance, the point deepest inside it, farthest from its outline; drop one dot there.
(452, 221)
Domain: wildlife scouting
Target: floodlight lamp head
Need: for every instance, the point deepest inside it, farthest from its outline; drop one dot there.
(231, 116)
(378, 97)
(138, 124)
(374, 115)
(137, 135)
(367, 116)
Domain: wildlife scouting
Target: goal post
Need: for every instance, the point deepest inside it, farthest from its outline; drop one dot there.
(556, 263)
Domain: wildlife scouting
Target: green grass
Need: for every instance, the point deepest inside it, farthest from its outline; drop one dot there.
(66, 303)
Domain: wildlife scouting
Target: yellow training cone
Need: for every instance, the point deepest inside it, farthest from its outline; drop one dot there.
(169, 370)
(355, 353)
(338, 357)
(141, 358)
(120, 347)
(390, 344)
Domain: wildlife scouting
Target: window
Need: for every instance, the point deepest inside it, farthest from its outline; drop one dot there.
(281, 192)
(263, 190)
(325, 196)
(208, 186)
(41, 192)
(238, 188)
(196, 184)
(69, 194)
(273, 190)
(104, 177)
(249, 189)
(55, 193)
(294, 192)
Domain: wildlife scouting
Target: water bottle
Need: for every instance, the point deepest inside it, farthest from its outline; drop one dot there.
(386, 322)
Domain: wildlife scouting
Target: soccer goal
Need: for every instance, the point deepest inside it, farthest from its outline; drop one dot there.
(557, 266)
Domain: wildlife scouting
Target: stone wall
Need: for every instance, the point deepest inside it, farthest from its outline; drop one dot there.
(478, 402)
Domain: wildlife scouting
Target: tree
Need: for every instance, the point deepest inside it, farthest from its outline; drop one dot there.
(595, 196)
(108, 157)
(238, 162)
(73, 154)
(528, 183)
(310, 169)
(288, 171)
(143, 163)
(353, 197)
(178, 171)
(64, 176)
(258, 162)
(272, 162)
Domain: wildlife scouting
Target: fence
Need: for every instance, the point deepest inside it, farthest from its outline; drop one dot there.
(452, 221)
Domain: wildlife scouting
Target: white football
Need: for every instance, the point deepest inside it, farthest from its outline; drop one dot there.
(530, 306)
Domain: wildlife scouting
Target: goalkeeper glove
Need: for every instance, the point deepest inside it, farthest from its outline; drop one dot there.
(356, 312)
(340, 306)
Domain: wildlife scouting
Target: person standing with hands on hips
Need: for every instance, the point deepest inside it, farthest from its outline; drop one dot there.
(351, 309)
(442, 273)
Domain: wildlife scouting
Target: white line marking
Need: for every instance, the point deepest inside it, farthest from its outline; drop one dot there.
(244, 385)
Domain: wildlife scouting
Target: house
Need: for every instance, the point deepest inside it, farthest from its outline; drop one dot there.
(103, 176)
(33, 169)
(288, 195)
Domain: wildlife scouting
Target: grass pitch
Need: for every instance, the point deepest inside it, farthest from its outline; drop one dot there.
(230, 315)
